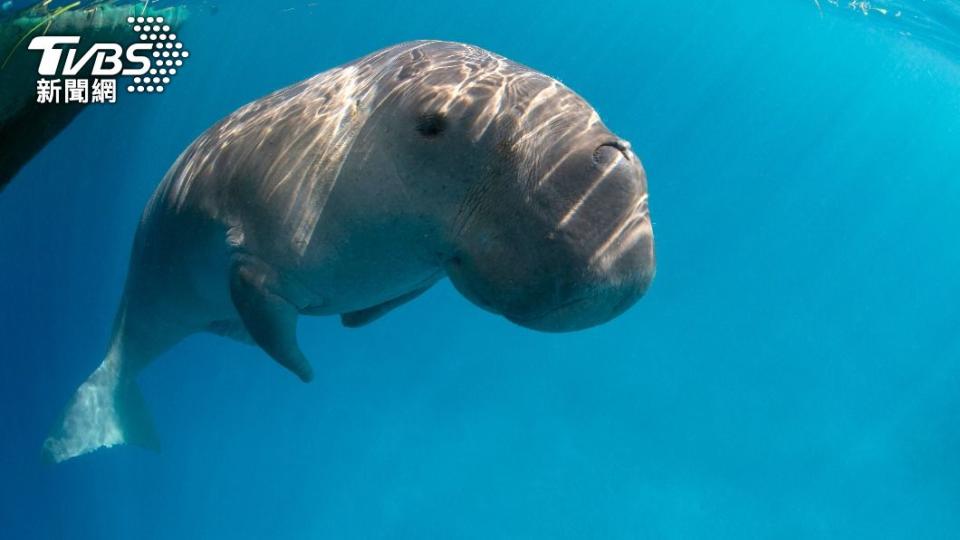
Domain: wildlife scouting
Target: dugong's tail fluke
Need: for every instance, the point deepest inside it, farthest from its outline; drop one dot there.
(105, 411)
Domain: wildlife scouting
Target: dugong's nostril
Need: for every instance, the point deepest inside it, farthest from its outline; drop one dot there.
(619, 145)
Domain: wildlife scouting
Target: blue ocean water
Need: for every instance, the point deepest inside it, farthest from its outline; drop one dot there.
(794, 372)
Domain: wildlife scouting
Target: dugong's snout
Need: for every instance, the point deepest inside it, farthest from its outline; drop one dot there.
(589, 296)
(600, 294)
(582, 256)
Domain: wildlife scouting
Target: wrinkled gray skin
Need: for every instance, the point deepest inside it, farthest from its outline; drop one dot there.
(354, 191)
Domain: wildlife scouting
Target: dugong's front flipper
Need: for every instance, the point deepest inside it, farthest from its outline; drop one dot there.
(269, 318)
(354, 319)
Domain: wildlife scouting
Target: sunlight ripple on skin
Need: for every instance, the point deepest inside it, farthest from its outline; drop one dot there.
(343, 98)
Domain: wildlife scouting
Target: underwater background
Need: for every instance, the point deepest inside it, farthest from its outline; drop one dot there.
(794, 372)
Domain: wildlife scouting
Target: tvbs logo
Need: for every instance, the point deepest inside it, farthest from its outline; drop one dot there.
(152, 62)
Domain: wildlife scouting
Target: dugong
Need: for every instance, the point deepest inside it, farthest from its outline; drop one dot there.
(353, 192)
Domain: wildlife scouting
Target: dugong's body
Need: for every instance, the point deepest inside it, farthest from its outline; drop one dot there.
(353, 192)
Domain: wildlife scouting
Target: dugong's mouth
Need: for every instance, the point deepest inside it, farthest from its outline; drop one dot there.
(546, 320)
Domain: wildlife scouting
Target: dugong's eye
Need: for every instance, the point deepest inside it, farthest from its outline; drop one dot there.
(431, 124)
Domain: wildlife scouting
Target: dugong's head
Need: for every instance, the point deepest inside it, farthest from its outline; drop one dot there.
(572, 250)
(549, 224)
